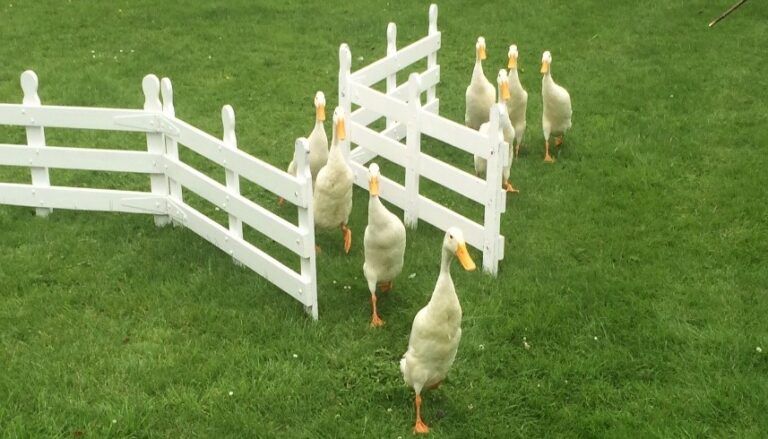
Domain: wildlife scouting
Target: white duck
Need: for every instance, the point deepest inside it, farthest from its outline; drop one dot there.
(318, 141)
(507, 129)
(480, 93)
(556, 118)
(436, 329)
(384, 244)
(333, 192)
(518, 99)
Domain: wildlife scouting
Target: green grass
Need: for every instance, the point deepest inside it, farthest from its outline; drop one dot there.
(635, 265)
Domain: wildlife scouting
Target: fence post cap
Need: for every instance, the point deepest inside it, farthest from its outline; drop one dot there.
(151, 87)
(166, 91)
(29, 83)
(432, 18)
(345, 57)
(391, 33)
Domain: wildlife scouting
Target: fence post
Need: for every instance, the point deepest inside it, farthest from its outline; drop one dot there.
(432, 57)
(307, 226)
(494, 195)
(35, 135)
(391, 51)
(155, 141)
(413, 151)
(171, 145)
(345, 100)
(233, 179)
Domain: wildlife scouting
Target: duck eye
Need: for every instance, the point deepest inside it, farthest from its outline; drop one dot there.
(450, 236)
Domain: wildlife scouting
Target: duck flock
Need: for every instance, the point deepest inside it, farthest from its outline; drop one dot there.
(436, 329)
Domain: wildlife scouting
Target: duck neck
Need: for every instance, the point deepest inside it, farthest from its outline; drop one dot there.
(375, 208)
(445, 262)
(514, 79)
(477, 72)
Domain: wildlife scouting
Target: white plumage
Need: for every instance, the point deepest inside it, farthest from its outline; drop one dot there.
(480, 92)
(556, 117)
(333, 191)
(383, 242)
(518, 99)
(318, 141)
(436, 329)
(508, 130)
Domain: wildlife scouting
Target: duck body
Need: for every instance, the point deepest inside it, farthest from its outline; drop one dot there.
(508, 130)
(435, 337)
(556, 117)
(333, 192)
(383, 242)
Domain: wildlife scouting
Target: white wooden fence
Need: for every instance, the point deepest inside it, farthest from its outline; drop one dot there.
(407, 118)
(168, 175)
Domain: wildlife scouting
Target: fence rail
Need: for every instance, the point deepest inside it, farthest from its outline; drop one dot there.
(406, 118)
(169, 176)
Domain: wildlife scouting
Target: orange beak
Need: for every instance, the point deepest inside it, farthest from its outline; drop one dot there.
(544, 67)
(464, 258)
(512, 64)
(481, 53)
(320, 113)
(505, 91)
(373, 186)
(341, 131)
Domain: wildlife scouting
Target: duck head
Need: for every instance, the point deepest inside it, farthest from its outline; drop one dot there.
(480, 48)
(454, 243)
(320, 106)
(503, 82)
(373, 179)
(512, 54)
(339, 125)
(546, 60)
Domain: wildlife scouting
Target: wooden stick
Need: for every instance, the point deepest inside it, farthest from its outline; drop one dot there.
(726, 13)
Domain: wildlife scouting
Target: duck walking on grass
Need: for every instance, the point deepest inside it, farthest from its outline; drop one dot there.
(436, 329)
(481, 164)
(318, 143)
(517, 103)
(333, 192)
(556, 118)
(384, 244)
(480, 93)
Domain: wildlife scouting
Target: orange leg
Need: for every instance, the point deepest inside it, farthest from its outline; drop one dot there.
(420, 426)
(559, 140)
(547, 158)
(385, 287)
(375, 319)
(347, 238)
(509, 188)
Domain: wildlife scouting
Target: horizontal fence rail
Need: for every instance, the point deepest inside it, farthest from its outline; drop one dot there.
(169, 175)
(407, 119)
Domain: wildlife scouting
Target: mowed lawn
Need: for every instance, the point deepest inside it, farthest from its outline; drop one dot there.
(631, 301)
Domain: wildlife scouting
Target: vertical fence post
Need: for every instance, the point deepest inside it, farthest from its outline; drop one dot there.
(494, 193)
(345, 100)
(35, 135)
(413, 151)
(432, 57)
(233, 179)
(307, 226)
(155, 141)
(171, 145)
(391, 51)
